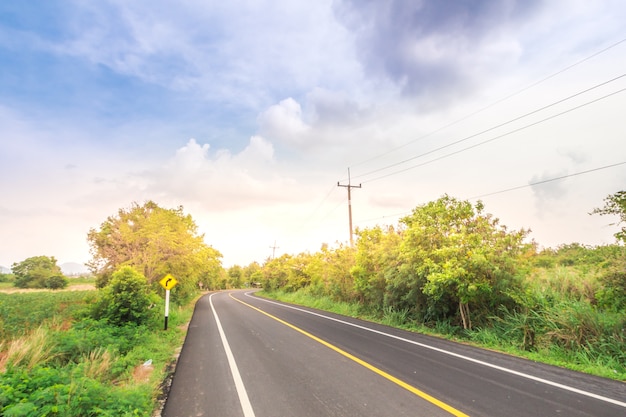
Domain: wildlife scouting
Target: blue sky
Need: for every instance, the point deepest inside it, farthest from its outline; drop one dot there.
(248, 113)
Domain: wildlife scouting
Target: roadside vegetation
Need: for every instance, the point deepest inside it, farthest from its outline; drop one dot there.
(103, 352)
(60, 357)
(449, 269)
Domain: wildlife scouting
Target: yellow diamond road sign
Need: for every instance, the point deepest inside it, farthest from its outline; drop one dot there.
(168, 282)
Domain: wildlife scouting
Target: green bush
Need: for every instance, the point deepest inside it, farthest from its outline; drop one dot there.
(49, 391)
(126, 299)
(56, 282)
(612, 295)
(89, 335)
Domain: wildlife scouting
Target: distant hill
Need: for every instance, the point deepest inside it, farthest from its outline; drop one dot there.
(74, 268)
(4, 270)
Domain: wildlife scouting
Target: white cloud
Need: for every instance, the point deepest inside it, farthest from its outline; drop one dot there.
(283, 122)
(234, 52)
(221, 179)
(325, 95)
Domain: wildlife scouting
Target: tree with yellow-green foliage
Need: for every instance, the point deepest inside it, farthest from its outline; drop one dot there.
(154, 241)
(459, 258)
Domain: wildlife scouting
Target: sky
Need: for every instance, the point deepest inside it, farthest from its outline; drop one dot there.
(250, 113)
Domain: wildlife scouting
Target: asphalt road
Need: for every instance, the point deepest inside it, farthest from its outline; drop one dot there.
(246, 356)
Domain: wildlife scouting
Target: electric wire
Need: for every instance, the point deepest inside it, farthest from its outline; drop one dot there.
(503, 99)
(333, 188)
(492, 128)
(493, 104)
(575, 174)
(548, 180)
(497, 137)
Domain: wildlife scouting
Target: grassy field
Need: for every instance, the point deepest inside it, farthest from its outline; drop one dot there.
(57, 361)
(76, 284)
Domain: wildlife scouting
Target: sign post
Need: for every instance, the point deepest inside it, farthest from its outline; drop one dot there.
(168, 282)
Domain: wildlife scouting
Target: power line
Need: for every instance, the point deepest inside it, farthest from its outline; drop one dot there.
(498, 137)
(548, 180)
(495, 102)
(513, 188)
(492, 128)
(333, 188)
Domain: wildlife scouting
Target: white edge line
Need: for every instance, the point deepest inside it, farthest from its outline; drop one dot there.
(241, 389)
(446, 352)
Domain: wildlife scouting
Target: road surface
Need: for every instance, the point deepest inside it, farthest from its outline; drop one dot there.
(245, 356)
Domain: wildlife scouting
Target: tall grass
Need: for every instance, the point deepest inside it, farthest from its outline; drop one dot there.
(72, 366)
(571, 334)
(28, 351)
(97, 364)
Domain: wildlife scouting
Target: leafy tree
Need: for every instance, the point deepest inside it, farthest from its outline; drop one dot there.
(275, 273)
(251, 274)
(459, 256)
(155, 241)
(315, 273)
(235, 275)
(329, 272)
(615, 204)
(126, 299)
(39, 272)
(325, 273)
(377, 260)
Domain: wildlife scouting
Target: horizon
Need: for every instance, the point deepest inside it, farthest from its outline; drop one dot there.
(250, 114)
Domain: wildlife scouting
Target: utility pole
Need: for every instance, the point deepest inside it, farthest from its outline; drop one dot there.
(349, 186)
(273, 248)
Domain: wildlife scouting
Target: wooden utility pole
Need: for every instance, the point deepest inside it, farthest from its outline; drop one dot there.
(273, 248)
(349, 186)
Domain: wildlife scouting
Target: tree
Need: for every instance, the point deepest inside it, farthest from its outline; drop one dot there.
(459, 256)
(276, 273)
(235, 275)
(615, 204)
(126, 299)
(155, 241)
(39, 272)
(251, 274)
(376, 261)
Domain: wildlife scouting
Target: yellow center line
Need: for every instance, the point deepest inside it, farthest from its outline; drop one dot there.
(361, 362)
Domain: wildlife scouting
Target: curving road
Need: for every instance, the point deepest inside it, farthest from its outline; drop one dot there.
(247, 356)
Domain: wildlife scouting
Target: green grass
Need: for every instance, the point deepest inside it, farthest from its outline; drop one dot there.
(83, 279)
(606, 358)
(20, 313)
(55, 361)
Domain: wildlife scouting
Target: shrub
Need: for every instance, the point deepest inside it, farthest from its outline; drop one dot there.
(56, 282)
(126, 299)
(48, 391)
(613, 293)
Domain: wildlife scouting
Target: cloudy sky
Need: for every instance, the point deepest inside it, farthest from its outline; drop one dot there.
(248, 114)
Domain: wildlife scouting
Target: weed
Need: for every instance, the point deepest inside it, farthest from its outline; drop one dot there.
(28, 351)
